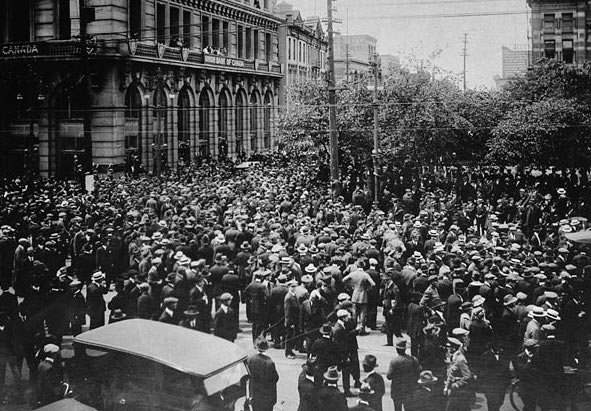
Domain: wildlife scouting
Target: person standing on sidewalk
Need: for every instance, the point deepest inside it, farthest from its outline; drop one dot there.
(263, 378)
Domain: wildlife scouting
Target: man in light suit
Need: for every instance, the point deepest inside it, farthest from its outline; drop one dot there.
(361, 283)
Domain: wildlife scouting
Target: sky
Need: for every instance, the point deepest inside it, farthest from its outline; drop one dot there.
(420, 29)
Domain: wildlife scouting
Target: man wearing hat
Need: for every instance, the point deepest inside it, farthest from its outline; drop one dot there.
(256, 296)
(403, 372)
(458, 378)
(291, 308)
(49, 387)
(169, 315)
(507, 328)
(95, 300)
(324, 352)
(533, 330)
(365, 393)
(307, 387)
(329, 396)
(425, 397)
(190, 318)
(76, 311)
(225, 324)
(375, 382)
(263, 378)
(524, 365)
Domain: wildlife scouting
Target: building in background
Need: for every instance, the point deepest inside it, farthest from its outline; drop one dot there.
(390, 64)
(352, 56)
(303, 50)
(515, 62)
(560, 30)
(149, 83)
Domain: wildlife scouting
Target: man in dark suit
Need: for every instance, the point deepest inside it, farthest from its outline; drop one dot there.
(263, 378)
(403, 372)
(425, 397)
(341, 337)
(199, 298)
(329, 396)
(292, 318)
(307, 387)
(95, 300)
(76, 308)
(146, 305)
(168, 315)
(256, 295)
(365, 392)
(375, 382)
(190, 318)
(225, 323)
(275, 305)
(49, 377)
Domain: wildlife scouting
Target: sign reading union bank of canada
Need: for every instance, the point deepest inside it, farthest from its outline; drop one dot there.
(222, 61)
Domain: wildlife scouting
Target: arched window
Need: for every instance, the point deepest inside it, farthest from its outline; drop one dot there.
(204, 105)
(160, 140)
(240, 116)
(254, 121)
(223, 123)
(267, 113)
(184, 125)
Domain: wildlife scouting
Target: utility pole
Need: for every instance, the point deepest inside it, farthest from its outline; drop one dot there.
(375, 63)
(465, 54)
(332, 107)
(347, 60)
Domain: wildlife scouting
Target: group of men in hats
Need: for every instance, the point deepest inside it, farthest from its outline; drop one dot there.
(189, 250)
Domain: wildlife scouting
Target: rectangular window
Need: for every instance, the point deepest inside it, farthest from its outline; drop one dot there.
(174, 26)
(549, 49)
(187, 29)
(2, 22)
(568, 52)
(266, 4)
(567, 22)
(289, 49)
(64, 23)
(549, 21)
(269, 46)
(205, 32)
(248, 43)
(20, 21)
(240, 42)
(215, 33)
(135, 18)
(226, 36)
(161, 23)
(257, 44)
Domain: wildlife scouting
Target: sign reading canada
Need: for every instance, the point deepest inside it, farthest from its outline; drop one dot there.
(15, 50)
(222, 61)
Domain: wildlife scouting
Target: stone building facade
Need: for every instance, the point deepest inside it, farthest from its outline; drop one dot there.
(150, 83)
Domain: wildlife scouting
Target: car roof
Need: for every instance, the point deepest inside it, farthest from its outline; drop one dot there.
(183, 349)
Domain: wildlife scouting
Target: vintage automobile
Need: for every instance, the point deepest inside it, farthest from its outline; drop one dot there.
(147, 365)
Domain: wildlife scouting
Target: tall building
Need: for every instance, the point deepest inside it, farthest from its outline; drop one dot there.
(129, 82)
(303, 48)
(560, 30)
(352, 56)
(515, 62)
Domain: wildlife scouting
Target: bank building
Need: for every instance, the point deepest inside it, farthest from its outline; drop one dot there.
(135, 84)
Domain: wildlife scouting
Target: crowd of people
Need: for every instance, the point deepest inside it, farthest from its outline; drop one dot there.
(470, 269)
